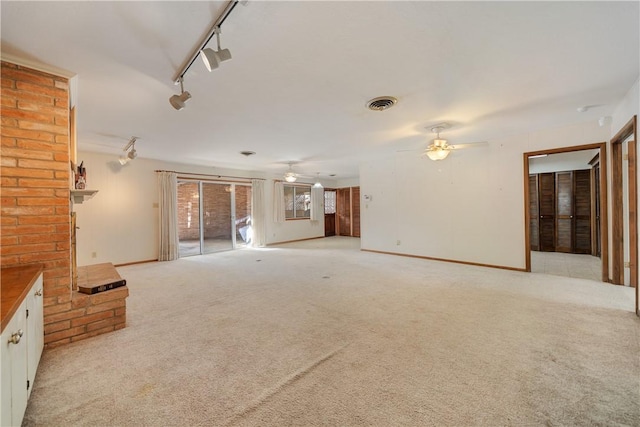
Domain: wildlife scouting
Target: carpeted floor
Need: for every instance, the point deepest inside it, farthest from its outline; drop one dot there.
(318, 333)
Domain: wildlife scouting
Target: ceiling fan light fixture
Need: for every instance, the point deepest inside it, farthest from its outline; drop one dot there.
(290, 177)
(437, 153)
(440, 143)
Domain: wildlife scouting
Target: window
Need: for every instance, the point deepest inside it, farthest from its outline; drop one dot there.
(297, 202)
(329, 202)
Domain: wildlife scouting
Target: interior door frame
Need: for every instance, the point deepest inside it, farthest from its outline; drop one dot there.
(602, 146)
(628, 130)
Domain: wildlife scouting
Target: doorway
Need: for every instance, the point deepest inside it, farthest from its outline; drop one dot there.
(348, 211)
(624, 213)
(213, 217)
(561, 214)
(330, 197)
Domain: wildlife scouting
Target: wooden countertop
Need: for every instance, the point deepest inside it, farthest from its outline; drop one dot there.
(16, 281)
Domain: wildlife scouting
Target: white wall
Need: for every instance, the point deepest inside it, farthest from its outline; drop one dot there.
(120, 223)
(559, 162)
(349, 182)
(469, 207)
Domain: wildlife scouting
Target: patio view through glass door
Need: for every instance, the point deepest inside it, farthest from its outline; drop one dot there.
(213, 217)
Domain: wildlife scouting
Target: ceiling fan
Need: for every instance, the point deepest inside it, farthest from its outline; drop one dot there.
(291, 176)
(439, 149)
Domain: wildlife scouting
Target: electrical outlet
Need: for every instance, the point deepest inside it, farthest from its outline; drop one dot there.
(155, 205)
(397, 242)
(94, 254)
(627, 264)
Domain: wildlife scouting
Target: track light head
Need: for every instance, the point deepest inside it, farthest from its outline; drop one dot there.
(178, 101)
(210, 58)
(223, 54)
(130, 150)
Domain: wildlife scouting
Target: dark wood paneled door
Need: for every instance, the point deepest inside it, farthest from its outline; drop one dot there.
(534, 214)
(595, 208)
(564, 212)
(343, 210)
(329, 225)
(582, 212)
(547, 218)
(355, 211)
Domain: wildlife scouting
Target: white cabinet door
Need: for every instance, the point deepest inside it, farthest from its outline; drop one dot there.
(5, 371)
(14, 359)
(35, 326)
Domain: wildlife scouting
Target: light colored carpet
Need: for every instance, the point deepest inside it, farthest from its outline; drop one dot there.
(569, 265)
(318, 333)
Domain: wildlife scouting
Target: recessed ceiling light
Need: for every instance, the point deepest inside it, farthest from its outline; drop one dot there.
(247, 153)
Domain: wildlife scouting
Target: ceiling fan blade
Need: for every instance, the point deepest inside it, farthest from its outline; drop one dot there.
(469, 145)
(409, 149)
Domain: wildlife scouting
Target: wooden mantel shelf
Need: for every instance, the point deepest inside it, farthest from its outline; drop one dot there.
(79, 196)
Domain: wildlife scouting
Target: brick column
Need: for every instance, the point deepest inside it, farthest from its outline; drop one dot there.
(35, 225)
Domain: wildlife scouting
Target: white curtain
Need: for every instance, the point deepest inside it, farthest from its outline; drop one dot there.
(257, 213)
(169, 247)
(278, 201)
(317, 203)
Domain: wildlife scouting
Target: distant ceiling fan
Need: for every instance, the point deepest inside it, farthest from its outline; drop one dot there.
(291, 176)
(439, 149)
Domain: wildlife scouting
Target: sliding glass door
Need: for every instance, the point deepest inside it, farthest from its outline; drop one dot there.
(189, 217)
(213, 217)
(217, 215)
(242, 203)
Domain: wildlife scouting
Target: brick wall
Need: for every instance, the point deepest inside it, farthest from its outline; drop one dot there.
(35, 208)
(188, 208)
(216, 215)
(86, 316)
(36, 220)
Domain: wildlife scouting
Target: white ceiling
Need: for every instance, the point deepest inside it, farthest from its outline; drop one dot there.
(302, 72)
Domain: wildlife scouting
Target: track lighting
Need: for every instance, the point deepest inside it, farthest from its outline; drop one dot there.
(178, 101)
(130, 150)
(212, 58)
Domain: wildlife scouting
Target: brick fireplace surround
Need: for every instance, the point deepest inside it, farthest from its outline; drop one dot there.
(35, 203)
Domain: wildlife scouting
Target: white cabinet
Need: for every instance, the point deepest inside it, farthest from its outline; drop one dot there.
(21, 345)
(35, 327)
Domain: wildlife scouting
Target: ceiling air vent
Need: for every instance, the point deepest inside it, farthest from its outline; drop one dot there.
(381, 103)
